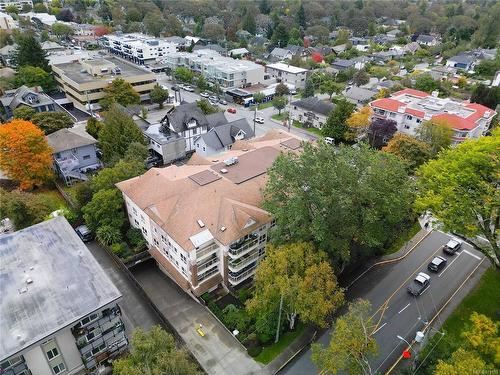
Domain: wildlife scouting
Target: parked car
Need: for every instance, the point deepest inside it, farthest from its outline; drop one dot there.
(153, 161)
(259, 120)
(204, 94)
(188, 88)
(437, 264)
(419, 284)
(213, 98)
(84, 233)
(176, 88)
(452, 246)
(231, 110)
(222, 101)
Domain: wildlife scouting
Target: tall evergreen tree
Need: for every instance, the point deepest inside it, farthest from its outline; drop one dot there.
(30, 52)
(309, 89)
(301, 16)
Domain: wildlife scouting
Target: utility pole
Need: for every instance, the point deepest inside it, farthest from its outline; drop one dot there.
(289, 112)
(254, 117)
(279, 320)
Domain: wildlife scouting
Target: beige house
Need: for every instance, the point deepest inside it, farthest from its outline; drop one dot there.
(203, 220)
(84, 81)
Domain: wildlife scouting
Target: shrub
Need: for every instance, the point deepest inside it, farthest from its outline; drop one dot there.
(136, 240)
(244, 294)
(207, 297)
(254, 351)
(119, 249)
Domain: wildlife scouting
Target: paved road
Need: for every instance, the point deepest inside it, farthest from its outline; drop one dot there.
(396, 312)
(135, 311)
(219, 353)
(242, 112)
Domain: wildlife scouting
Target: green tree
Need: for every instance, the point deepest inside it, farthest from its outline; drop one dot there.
(136, 152)
(62, 30)
(108, 234)
(201, 82)
(24, 112)
(121, 171)
(183, 74)
(301, 16)
(29, 52)
(11, 9)
(154, 23)
(488, 32)
(425, 82)
(330, 87)
(121, 92)
(105, 209)
(280, 35)
(93, 127)
(32, 76)
(24, 209)
(281, 90)
(258, 97)
(309, 89)
(409, 149)
(264, 7)
(173, 26)
(336, 124)
(155, 352)
(437, 133)
(5, 38)
(303, 278)
(361, 78)
(279, 102)
(369, 191)
(158, 95)
(206, 107)
(117, 132)
(487, 96)
(351, 345)
(461, 362)
(249, 23)
(39, 8)
(213, 31)
(460, 188)
(50, 122)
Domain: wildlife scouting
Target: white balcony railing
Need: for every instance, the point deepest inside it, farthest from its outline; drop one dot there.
(200, 253)
(235, 280)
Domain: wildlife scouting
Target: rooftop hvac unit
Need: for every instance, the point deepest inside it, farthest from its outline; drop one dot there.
(231, 161)
(223, 171)
(200, 223)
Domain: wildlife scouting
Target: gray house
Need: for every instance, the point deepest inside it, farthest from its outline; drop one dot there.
(311, 112)
(222, 137)
(74, 153)
(358, 95)
(29, 97)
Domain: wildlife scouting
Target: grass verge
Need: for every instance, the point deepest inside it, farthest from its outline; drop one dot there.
(405, 236)
(483, 299)
(280, 117)
(270, 352)
(52, 198)
(268, 104)
(314, 131)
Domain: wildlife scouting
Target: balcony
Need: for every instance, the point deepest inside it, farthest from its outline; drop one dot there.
(236, 278)
(238, 248)
(236, 265)
(200, 253)
(208, 274)
(210, 262)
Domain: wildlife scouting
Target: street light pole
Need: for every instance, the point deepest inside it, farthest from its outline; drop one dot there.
(289, 112)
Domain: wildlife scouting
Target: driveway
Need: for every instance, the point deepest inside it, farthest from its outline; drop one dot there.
(219, 353)
(396, 312)
(135, 310)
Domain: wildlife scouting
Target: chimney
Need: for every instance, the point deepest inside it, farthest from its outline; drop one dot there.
(435, 93)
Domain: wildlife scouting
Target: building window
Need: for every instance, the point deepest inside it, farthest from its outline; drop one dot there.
(419, 121)
(144, 230)
(409, 117)
(273, 223)
(183, 258)
(86, 157)
(156, 242)
(52, 353)
(204, 149)
(59, 368)
(136, 222)
(134, 210)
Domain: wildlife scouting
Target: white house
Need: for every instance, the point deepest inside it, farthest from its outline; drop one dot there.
(287, 74)
(311, 112)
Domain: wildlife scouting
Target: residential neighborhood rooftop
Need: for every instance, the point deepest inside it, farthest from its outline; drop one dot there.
(287, 68)
(50, 280)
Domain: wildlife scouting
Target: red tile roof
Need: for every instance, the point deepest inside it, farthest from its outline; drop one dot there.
(456, 122)
(412, 92)
(415, 112)
(387, 104)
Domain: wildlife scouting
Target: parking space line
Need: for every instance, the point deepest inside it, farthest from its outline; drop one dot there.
(404, 308)
(425, 290)
(449, 265)
(472, 255)
(379, 328)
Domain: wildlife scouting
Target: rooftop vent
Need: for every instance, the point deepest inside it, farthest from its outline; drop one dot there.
(231, 161)
(200, 223)
(223, 170)
(486, 114)
(23, 290)
(222, 229)
(29, 280)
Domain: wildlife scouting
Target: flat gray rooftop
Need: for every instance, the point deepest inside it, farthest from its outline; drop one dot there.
(76, 72)
(67, 284)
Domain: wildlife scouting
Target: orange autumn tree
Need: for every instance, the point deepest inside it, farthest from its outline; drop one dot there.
(25, 155)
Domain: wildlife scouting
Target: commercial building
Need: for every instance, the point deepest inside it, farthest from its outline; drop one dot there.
(84, 81)
(138, 47)
(59, 309)
(203, 220)
(17, 3)
(409, 108)
(224, 71)
(288, 74)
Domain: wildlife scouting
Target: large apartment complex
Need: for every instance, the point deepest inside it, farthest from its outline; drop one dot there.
(203, 220)
(17, 3)
(224, 71)
(409, 108)
(84, 81)
(138, 47)
(59, 309)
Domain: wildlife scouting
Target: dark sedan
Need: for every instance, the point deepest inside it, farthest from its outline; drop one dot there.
(437, 264)
(419, 284)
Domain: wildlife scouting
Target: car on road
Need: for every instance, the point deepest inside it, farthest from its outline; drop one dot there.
(419, 284)
(84, 233)
(222, 101)
(452, 246)
(175, 88)
(189, 88)
(204, 94)
(437, 264)
(231, 110)
(213, 98)
(259, 120)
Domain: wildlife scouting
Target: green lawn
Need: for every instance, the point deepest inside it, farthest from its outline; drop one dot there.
(482, 299)
(280, 117)
(405, 236)
(268, 104)
(315, 131)
(52, 198)
(270, 352)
